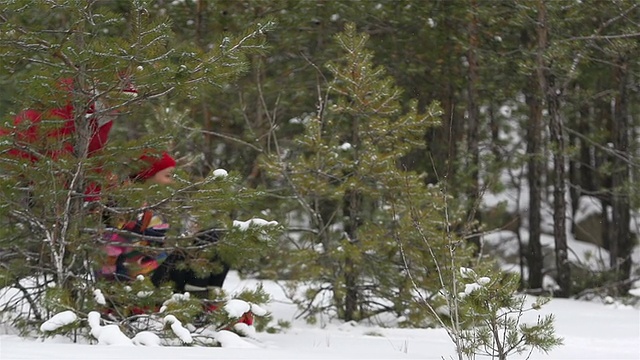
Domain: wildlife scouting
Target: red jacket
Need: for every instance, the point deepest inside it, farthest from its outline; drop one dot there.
(32, 136)
(27, 132)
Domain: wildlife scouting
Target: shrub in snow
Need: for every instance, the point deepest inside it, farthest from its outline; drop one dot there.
(181, 320)
(488, 317)
(241, 308)
(125, 299)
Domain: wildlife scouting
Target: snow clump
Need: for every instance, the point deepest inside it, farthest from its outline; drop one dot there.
(177, 328)
(99, 297)
(244, 225)
(219, 173)
(59, 320)
(108, 334)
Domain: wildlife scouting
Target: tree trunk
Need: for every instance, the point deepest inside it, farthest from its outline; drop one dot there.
(202, 108)
(534, 177)
(552, 93)
(473, 191)
(352, 211)
(441, 141)
(556, 132)
(534, 152)
(352, 203)
(579, 166)
(621, 242)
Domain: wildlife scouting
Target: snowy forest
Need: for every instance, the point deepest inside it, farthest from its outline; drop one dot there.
(383, 143)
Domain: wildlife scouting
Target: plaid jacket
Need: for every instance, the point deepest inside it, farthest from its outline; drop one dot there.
(127, 256)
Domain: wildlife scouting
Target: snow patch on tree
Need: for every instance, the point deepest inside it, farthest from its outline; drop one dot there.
(219, 173)
(144, 294)
(175, 298)
(470, 288)
(59, 320)
(244, 329)
(259, 222)
(258, 310)
(180, 331)
(236, 307)
(108, 334)
(99, 298)
(467, 273)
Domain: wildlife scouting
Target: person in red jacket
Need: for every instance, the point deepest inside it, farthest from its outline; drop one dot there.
(30, 139)
(32, 142)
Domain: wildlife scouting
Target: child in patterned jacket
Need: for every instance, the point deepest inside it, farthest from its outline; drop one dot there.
(127, 255)
(143, 255)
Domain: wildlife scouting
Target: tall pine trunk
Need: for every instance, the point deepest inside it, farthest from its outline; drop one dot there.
(553, 92)
(534, 177)
(473, 192)
(621, 242)
(534, 152)
(556, 132)
(352, 211)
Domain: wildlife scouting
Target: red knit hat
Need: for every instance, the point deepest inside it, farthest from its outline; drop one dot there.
(157, 164)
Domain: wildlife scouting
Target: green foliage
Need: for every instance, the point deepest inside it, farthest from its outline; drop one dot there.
(359, 206)
(280, 326)
(491, 316)
(123, 299)
(183, 56)
(82, 56)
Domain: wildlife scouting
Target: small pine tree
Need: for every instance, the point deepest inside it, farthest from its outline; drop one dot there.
(491, 316)
(358, 207)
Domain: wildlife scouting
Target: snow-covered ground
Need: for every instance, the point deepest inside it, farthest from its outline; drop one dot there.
(590, 330)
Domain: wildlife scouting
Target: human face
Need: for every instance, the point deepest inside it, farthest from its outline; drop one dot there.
(163, 177)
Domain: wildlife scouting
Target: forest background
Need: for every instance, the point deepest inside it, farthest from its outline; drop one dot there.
(409, 117)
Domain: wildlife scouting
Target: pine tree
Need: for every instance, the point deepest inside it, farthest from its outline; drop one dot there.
(358, 207)
(85, 59)
(491, 318)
